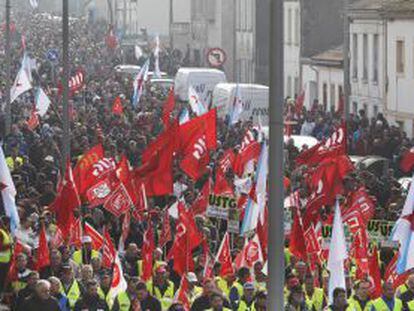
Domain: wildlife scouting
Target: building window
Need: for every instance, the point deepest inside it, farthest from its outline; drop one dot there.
(289, 26)
(297, 27)
(375, 51)
(332, 97)
(365, 57)
(355, 56)
(400, 57)
(325, 96)
(296, 85)
(289, 86)
(375, 110)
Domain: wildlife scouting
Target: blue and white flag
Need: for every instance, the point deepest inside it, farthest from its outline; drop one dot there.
(258, 195)
(403, 233)
(42, 102)
(8, 193)
(139, 83)
(195, 102)
(237, 108)
(184, 116)
(157, 71)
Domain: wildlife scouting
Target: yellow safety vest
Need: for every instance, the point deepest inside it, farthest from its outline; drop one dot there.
(243, 306)
(77, 256)
(316, 300)
(353, 303)
(402, 289)
(5, 255)
(239, 288)
(222, 285)
(123, 301)
(166, 299)
(224, 309)
(73, 294)
(411, 305)
(380, 305)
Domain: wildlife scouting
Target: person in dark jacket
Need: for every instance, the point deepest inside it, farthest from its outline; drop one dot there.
(147, 301)
(28, 291)
(41, 299)
(91, 301)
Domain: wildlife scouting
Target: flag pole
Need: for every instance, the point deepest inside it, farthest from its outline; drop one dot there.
(276, 270)
(65, 81)
(8, 71)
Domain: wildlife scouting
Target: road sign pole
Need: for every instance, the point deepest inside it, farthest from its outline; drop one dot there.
(65, 85)
(8, 117)
(276, 265)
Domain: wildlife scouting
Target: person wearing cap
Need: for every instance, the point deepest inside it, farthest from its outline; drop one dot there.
(55, 291)
(162, 288)
(236, 292)
(86, 253)
(71, 287)
(26, 292)
(193, 290)
(6, 244)
(246, 302)
(387, 301)
(41, 300)
(315, 297)
(360, 300)
(91, 300)
(296, 300)
(340, 302)
(203, 301)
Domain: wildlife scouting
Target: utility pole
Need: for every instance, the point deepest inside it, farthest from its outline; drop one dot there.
(171, 22)
(124, 18)
(347, 76)
(8, 116)
(65, 84)
(276, 247)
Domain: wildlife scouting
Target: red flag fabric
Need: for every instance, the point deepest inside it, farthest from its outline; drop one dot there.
(43, 255)
(407, 161)
(33, 121)
(297, 244)
(109, 252)
(334, 146)
(251, 253)
(76, 82)
(227, 160)
(66, 201)
(57, 240)
(141, 205)
(97, 238)
(111, 40)
(99, 193)
(119, 202)
(126, 223)
(361, 203)
(181, 295)
(166, 235)
(197, 157)
(224, 256)
(249, 150)
(117, 108)
(148, 253)
(391, 274)
(262, 232)
(76, 233)
(300, 100)
(168, 108)
(156, 171)
(374, 274)
(200, 204)
(222, 187)
(82, 173)
(313, 247)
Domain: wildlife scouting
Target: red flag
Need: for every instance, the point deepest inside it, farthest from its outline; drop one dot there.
(222, 187)
(141, 205)
(119, 202)
(57, 240)
(262, 232)
(124, 175)
(227, 160)
(407, 161)
(374, 274)
(361, 203)
(181, 295)
(148, 252)
(156, 171)
(334, 146)
(76, 233)
(391, 274)
(224, 256)
(249, 150)
(33, 121)
(200, 204)
(126, 223)
(168, 108)
(251, 253)
(297, 244)
(43, 256)
(165, 236)
(117, 108)
(299, 103)
(99, 193)
(109, 252)
(66, 201)
(76, 82)
(97, 238)
(313, 247)
(83, 171)
(111, 40)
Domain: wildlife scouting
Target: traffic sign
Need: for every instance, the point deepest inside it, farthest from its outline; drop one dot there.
(216, 57)
(52, 55)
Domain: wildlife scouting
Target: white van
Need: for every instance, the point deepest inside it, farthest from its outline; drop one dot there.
(254, 97)
(203, 80)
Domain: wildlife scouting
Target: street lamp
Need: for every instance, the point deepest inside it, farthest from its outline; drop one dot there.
(65, 84)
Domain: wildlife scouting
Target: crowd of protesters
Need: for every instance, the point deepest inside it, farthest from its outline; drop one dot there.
(75, 278)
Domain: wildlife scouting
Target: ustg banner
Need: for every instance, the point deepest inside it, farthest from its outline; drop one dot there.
(218, 206)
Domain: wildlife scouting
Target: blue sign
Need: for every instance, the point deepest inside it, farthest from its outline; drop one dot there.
(52, 55)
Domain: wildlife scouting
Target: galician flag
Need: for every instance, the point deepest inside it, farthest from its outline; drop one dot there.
(403, 233)
(42, 102)
(139, 82)
(196, 104)
(337, 254)
(237, 108)
(21, 84)
(157, 71)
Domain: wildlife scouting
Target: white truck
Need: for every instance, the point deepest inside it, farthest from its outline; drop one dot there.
(254, 98)
(203, 80)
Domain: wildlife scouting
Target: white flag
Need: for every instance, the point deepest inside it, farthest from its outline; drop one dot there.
(8, 193)
(157, 71)
(237, 108)
(337, 254)
(119, 283)
(34, 4)
(21, 84)
(195, 102)
(42, 102)
(28, 65)
(138, 52)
